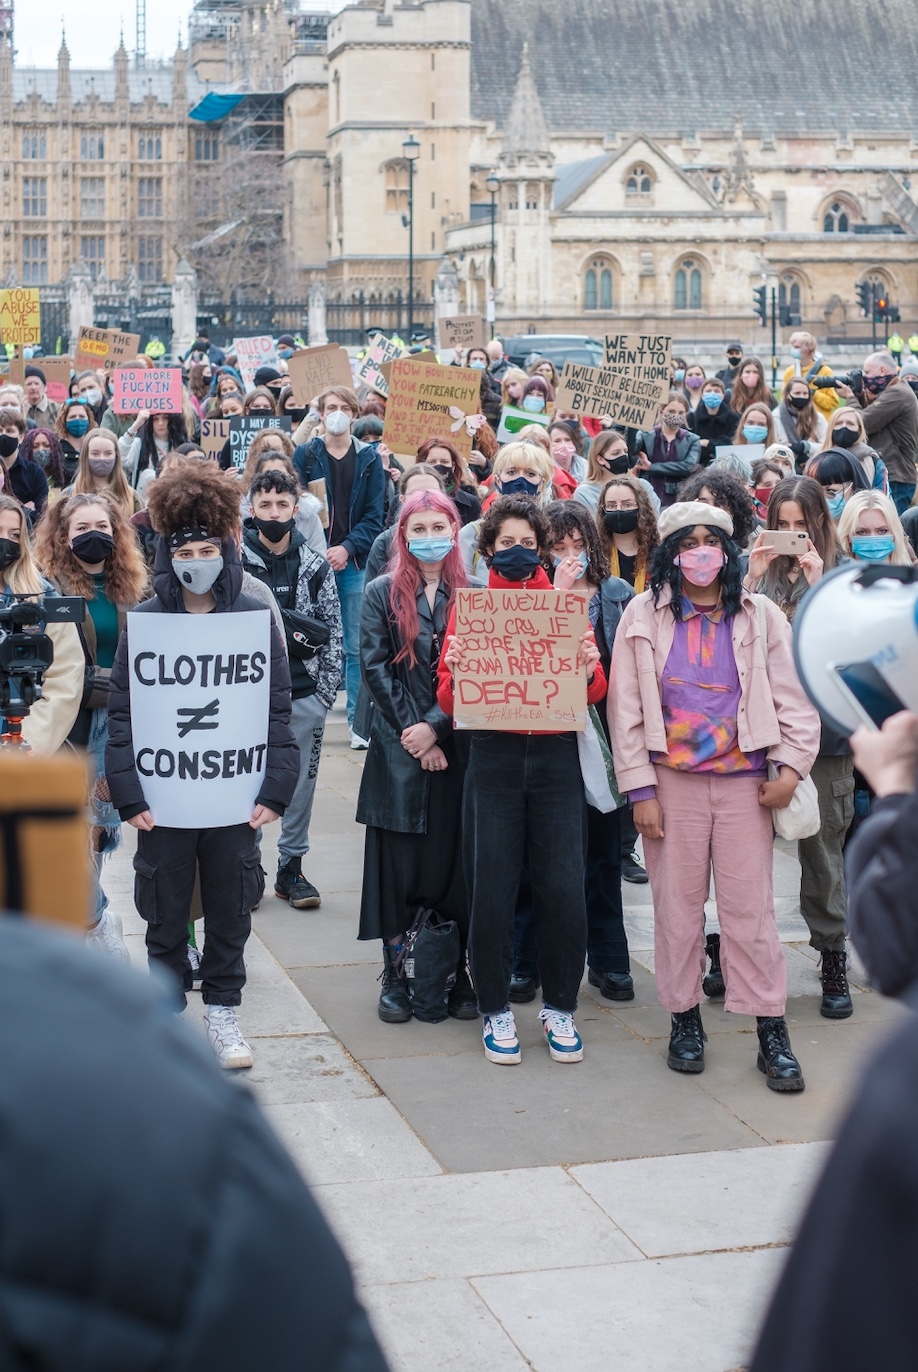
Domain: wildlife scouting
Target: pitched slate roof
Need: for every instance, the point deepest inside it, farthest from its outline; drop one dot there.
(666, 66)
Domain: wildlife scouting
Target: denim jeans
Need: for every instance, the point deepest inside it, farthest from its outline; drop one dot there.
(523, 802)
(902, 493)
(350, 594)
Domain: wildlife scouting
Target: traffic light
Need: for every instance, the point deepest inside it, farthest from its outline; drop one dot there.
(865, 298)
(880, 306)
(760, 304)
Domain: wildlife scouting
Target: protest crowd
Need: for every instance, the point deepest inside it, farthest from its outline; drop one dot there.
(436, 541)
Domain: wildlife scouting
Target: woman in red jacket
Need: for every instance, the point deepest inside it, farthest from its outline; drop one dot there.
(523, 802)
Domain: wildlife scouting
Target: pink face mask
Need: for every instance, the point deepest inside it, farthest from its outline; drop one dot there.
(701, 566)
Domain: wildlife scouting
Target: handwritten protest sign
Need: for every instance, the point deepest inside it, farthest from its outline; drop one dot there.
(462, 331)
(199, 714)
(157, 389)
(57, 372)
(628, 386)
(252, 353)
(520, 669)
(214, 433)
(748, 452)
(426, 399)
(104, 348)
(20, 315)
(512, 420)
(381, 350)
(244, 427)
(313, 370)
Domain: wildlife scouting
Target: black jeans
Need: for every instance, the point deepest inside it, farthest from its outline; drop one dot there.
(523, 802)
(232, 882)
(607, 942)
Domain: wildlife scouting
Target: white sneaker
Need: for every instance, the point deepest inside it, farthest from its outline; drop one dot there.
(498, 1034)
(107, 937)
(560, 1031)
(194, 962)
(226, 1038)
(357, 743)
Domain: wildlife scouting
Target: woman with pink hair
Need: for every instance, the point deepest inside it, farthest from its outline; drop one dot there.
(411, 791)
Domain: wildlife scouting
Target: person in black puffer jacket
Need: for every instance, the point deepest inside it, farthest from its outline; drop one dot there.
(195, 508)
(713, 420)
(178, 1234)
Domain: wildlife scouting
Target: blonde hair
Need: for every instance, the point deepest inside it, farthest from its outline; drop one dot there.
(874, 500)
(598, 448)
(528, 453)
(22, 577)
(510, 378)
(846, 412)
(536, 436)
(117, 487)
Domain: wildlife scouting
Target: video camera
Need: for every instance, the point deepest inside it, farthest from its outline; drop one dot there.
(25, 655)
(854, 379)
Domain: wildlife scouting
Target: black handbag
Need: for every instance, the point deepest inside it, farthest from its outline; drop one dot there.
(429, 958)
(305, 634)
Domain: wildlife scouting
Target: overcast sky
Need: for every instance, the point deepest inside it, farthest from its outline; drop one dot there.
(92, 30)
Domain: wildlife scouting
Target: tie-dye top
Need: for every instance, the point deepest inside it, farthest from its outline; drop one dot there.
(701, 698)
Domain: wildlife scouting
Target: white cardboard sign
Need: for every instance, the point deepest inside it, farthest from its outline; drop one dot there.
(200, 695)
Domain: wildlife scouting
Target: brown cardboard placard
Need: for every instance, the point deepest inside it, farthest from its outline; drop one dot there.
(57, 372)
(628, 387)
(313, 370)
(425, 356)
(462, 331)
(381, 350)
(104, 348)
(214, 433)
(426, 399)
(15, 372)
(521, 672)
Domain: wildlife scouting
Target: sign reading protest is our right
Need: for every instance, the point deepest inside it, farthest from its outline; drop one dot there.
(244, 427)
(462, 331)
(157, 389)
(629, 385)
(104, 348)
(200, 696)
(20, 315)
(520, 668)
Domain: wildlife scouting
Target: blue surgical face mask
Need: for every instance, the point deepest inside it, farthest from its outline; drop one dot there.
(520, 486)
(795, 352)
(679, 374)
(429, 549)
(535, 403)
(873, 547)
(712, 400)
(285, 353)
(836, 504)
(478, 365)
(581, 558)
(77, 427)
(755, 433)
(198, 574)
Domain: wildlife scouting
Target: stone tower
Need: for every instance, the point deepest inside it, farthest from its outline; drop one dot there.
(526, 170)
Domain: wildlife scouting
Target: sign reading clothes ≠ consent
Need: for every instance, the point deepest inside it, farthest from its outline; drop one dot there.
(200, 692)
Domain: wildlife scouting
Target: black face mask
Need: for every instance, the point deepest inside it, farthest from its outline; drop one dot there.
(620, 521)
(446, 475)
(734, 361)
(517, 563)
(876, 384)
(93, 547)
(9, 552)
(274, 529)
(297, 413)
(8, 445)
(844, 437)
(798, 402)
(618, 466)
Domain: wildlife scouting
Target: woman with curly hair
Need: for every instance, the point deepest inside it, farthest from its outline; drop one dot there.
(750, 387)
(100, 472)
(627, 524)
(703, 697)
(715, 487)
(194, 508)
(411, 789)
(44, 447)
(87, 547)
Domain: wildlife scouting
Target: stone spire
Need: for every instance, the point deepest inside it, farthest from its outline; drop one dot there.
(121, 71)
(526, 132)
(63, 72)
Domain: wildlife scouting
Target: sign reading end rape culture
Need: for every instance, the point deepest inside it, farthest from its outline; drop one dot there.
(200, 687)
(157, 389)
(629, 385)
(520, 669)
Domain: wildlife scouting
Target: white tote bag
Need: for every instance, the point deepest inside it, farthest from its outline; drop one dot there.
(800, 819)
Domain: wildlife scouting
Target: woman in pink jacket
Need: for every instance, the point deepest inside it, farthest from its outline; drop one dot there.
(698, 706)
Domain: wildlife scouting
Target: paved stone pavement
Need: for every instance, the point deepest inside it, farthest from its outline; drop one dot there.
(609, 1215)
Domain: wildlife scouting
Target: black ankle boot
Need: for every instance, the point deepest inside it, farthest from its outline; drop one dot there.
(776, 1059)
(686, 1042)
(836, 997)
(713, 985)
(394, 1005)
(461, 1003)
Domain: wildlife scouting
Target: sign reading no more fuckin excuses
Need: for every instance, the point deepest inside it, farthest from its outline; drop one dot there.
(200, 695)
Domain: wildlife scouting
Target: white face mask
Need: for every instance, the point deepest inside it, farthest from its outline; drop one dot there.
(337, 422)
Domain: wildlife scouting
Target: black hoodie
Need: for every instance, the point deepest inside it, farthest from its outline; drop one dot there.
(282, 765)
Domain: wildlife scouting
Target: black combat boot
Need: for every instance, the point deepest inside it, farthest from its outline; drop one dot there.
(713, 985)
(836, 997)
(394, 1005)
(686, 1042)
(776, 1059)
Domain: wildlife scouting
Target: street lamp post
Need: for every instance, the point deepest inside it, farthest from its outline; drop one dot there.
(493, 185)
(412, 151)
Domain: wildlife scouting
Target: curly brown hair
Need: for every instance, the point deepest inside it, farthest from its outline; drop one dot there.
(514, 507)
(126, 574)
(194, 494)
(648, 533)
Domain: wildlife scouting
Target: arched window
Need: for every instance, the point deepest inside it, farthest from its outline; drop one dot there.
(396, 179)
(789, 298)
(687, 292)
(839, 217)
(597, 285)
(640, 181)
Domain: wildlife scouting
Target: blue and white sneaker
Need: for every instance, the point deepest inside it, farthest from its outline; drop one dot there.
(498, 1033)
(564, 1042)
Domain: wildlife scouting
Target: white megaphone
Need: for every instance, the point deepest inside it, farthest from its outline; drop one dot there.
(856, 644)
